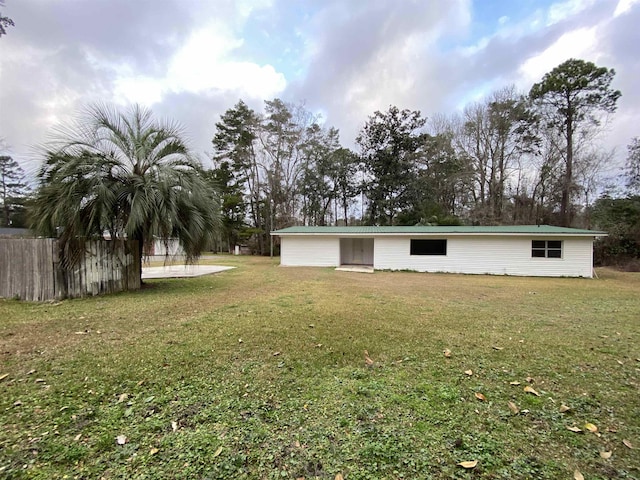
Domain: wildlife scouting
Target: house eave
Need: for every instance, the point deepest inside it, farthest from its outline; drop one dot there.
(439, 234)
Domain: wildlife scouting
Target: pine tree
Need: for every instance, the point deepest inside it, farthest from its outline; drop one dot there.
(13, 189)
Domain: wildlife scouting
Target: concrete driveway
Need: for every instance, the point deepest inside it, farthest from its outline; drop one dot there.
(180, 271)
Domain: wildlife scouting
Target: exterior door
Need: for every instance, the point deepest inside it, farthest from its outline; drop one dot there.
(356, 251)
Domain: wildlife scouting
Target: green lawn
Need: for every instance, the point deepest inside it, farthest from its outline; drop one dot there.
(259, 372)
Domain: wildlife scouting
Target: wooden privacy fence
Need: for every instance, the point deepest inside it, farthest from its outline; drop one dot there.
(31, 269)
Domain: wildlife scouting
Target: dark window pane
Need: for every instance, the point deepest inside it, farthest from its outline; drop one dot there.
(555, 253)
(554, 244)
(538, 253)
(538, 244)
(428, 247)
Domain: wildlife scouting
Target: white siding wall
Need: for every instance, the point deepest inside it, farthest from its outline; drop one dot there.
(493, 255)
(310, 251)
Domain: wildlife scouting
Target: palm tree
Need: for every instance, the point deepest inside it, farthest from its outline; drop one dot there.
(126, 175)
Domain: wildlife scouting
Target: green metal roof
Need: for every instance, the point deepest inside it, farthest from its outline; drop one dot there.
(419, 229)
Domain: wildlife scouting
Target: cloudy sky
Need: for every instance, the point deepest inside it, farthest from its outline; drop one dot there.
(190, 60)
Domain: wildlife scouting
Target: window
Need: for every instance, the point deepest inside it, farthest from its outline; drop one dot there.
(546, 248)
(428, 247)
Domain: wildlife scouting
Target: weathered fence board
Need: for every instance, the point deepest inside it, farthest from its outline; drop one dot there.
(31, 269)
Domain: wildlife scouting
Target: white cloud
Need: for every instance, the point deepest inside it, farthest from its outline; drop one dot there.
(579, 43)
(203, 65)
(569, 8)
(624, 6)
(138, 89)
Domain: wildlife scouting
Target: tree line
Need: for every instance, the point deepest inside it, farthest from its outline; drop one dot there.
(511, 158)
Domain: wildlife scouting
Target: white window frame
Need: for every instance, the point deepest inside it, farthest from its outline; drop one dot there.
(546, 249)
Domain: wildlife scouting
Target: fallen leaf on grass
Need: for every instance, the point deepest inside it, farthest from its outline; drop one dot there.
(121, 439)
(77, 437)
(516, 383)
(339, 477)
(217, 452)
(275, 354)
(529, 389)
(620, 362)
(530, 379)
(498, 348)
(447, 353)
(577, 475)
(318, 345)
(564, 408)
(367, 359)
(17, 403)
(174, 426)
(606, 455)
(514, 408)
(122, 397)
(3, 376)
(627, 444)
(153, 451)
(591, 427)
(574, 429)
(31, 372)
(480, 396)
(140, 382)
(469, 372)
(470, 464)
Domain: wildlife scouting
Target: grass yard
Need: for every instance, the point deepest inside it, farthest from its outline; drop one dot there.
(259, 372)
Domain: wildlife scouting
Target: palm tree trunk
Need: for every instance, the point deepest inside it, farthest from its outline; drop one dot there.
(139, 237)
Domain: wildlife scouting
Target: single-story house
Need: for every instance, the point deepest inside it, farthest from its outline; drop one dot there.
(526, 250)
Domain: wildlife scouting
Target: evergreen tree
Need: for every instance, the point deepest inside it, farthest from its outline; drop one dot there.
(570, 98)
(13, 190)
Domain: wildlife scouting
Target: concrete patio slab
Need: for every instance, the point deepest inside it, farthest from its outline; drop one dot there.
(355, 268)
(181, 271)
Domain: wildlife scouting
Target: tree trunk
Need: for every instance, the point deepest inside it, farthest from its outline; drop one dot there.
(139, 237)
(344, 205)
(565, 204)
